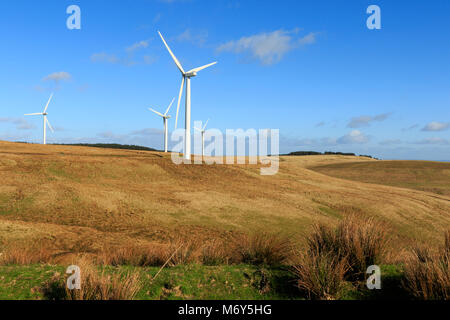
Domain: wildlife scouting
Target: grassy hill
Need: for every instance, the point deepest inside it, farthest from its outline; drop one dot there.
(91, 197)
(79, 200)
(418, 175)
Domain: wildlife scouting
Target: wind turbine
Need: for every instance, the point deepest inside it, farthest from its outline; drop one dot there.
(165, 118)
(202, 131)
(46, 122)
(186, 76)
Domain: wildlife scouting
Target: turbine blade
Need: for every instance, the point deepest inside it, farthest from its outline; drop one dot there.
(51, 96)
(201, 68)
(167, 111)
(158, 113)
(206, 124)
(48, 123)
(179, 99)
(171, 53)
(33, 114)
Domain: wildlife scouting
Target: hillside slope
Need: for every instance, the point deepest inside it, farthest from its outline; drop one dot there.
(81, 199)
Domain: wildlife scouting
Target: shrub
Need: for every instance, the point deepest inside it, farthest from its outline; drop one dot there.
(427, 274)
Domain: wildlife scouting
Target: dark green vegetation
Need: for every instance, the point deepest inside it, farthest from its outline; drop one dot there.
(315, 153)
(110, 146)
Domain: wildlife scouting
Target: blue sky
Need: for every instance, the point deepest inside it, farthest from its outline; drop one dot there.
(309, 68)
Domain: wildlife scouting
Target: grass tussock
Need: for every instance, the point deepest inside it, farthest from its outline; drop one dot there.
(320, 276)
(257, 249)
(142, 256)
(24, 255)
(337, 255)
(361, 242)
(95, 285)
(427, 273)
(262, 249)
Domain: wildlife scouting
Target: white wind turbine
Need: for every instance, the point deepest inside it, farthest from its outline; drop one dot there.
(202, 131)
(165, 118)
(186, 76)
(46, 122)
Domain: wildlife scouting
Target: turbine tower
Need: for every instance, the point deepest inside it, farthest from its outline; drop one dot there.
(202, 131)
(46, 122)
(186, 77)
(165, 118)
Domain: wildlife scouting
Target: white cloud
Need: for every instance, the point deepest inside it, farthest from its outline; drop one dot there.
(58, 76)
(414, 126)
(440, 141)
(104, 57)
(129, 59)
(198, 38)
(436, 126)
(354, 137)
(364, 121)
(269, 48)
(21, 124)
(137, 46)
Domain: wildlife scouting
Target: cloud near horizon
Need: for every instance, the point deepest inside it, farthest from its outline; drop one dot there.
(436, 126)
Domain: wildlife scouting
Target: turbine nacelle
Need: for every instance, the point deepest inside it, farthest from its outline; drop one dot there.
(190, 74)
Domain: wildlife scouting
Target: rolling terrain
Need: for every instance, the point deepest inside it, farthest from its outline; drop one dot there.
(81, 200)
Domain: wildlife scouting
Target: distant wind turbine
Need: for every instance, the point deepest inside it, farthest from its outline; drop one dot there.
(202, 131)
(46, 122)
(165, 118)
(186, 76)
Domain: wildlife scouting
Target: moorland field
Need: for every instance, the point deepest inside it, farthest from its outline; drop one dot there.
(70, 201)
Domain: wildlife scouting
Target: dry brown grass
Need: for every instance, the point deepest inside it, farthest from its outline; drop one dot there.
(360, 242)
(23, 254)
(319, 275)
(262, 248)
(419, 175)
(87, 199)
(427, 273)
(95, 285)
(337, 254)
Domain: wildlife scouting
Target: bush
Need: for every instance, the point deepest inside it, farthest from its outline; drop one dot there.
(427, 274)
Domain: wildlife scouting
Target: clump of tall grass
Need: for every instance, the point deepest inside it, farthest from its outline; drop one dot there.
(335, 255)
(24, 255)
(142, 256)
(262, 249)
(427, 273)
(320, 276)
(95, 285)
(360, 242)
